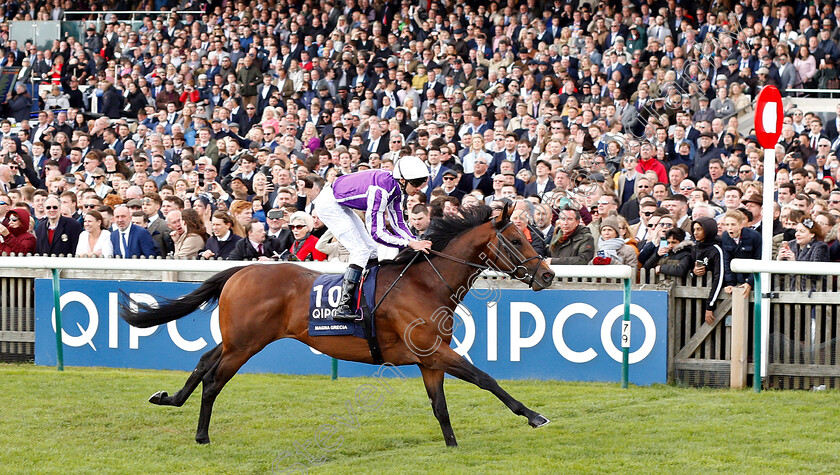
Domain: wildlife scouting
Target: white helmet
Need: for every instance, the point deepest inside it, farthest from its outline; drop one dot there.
(410, 168)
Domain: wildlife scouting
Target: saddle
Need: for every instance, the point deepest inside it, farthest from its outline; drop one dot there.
(323, 301)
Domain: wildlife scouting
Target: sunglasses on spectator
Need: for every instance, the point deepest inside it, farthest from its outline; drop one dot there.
(89, 206)
(449, 178)
(297, 226)
(49, 207)
(13, 219)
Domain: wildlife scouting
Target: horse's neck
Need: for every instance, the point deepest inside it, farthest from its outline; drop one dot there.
(458, 277)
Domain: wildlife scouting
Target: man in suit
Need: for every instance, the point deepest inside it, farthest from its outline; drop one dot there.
(450, 184)
(436, 171)
(543, 184)
(131, 240)
(256, 246)
(479, 179)
(150, 204)
(57, 234)
(376, 142)
(264, 92)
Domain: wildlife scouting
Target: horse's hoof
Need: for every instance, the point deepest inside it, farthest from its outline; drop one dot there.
(157, 398)
(538, 421)
(203, 440)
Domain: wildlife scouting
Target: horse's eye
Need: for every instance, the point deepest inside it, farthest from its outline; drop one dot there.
(516, 242)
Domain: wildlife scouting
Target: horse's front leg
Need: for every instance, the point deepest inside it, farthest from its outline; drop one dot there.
(445, 359)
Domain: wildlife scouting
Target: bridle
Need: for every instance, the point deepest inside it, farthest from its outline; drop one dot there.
(512, 255)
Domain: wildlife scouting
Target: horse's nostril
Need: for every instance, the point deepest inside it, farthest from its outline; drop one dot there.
(548, 276)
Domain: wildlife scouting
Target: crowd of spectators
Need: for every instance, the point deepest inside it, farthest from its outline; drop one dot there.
(613, 129)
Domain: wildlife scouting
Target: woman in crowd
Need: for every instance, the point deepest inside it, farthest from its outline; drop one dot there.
(187, 233)
(611, 249)
(303, 247)
(807, 246)
(242, 214)
(14, 233)
(95, 240)
(829, 226)
(521, 219)
(475, 152)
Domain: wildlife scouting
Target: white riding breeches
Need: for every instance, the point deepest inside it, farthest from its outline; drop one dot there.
(346, 226)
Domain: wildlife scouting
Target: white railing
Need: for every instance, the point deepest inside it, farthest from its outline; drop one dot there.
(758, 267)
(189, 265)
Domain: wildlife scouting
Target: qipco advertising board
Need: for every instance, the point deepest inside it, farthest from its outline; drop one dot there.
(571, 335)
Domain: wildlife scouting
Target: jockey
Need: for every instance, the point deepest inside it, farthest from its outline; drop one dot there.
(379, 194)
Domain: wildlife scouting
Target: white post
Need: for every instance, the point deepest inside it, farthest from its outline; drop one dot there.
(767, 209)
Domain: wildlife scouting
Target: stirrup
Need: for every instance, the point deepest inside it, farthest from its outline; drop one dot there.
(347, 316)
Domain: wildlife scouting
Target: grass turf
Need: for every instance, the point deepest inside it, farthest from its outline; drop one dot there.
(92, 420)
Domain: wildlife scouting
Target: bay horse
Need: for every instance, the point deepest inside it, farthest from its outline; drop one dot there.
(255, 310)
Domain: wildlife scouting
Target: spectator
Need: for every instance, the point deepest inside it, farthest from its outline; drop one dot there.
(739, 242)
(612, 250)
(187, 233)
(255, 246)
(674, 258)
(14, 233)
(573, 243)
(709, 260)
(95, 240)
(521, 219)
(131, 240)
(303, 247)
(222, 242)
(58, 234)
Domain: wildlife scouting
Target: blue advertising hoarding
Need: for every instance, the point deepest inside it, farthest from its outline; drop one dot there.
(558, 334)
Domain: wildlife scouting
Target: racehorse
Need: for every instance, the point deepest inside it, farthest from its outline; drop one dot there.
(259, 304)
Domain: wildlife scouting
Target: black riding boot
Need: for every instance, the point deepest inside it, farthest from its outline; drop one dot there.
(344, 311)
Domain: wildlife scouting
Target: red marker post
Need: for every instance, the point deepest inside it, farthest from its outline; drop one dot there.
(769, 114)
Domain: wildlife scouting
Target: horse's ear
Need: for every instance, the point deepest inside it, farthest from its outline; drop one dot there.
(504, 217)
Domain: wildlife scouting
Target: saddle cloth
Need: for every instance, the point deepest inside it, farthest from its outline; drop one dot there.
(323, 300)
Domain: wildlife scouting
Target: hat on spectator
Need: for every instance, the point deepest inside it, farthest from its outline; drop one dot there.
(763, 70)
(753, 198)
(135, 203)
(731, 62)
(456, 110)
(233, 125)
(202, 76)
(721, 77)
(703, 98)
(451, 172)
(597, 177)
(611, 221)
(707, 134)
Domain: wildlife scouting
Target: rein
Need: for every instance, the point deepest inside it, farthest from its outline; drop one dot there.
(505, 244)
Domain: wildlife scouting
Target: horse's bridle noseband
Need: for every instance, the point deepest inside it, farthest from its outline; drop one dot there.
(504, 243)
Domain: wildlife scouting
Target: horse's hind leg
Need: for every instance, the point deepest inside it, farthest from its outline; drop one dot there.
(207, 361)
(214, 381)
(447, 360)
(433, 379)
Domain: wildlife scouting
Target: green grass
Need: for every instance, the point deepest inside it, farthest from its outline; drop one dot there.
(98, 421)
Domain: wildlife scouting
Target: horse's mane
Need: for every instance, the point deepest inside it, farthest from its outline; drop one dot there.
(444, 229)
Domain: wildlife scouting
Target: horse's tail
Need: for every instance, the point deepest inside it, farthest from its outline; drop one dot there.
(145, 315)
